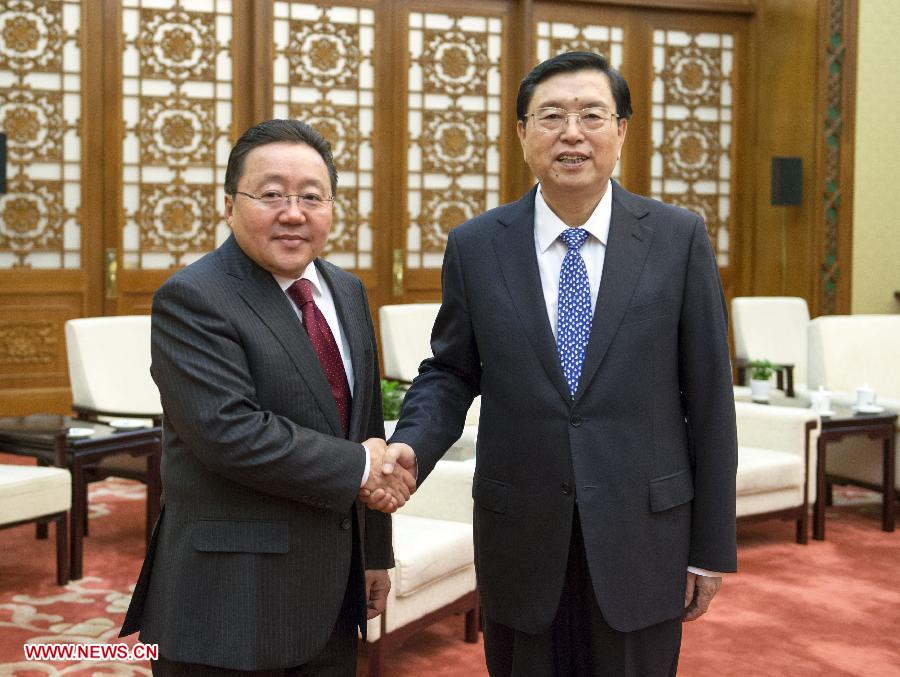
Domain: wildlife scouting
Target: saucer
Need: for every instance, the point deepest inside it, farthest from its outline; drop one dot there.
(127, 423)
(868, 408)
(76, 433)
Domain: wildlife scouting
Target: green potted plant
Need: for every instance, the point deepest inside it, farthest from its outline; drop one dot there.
(760, 379)
(391, 399)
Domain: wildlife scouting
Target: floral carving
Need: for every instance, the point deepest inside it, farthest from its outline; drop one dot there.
(31, 218)
(34, 124)
(177, 218)
(27, 343)
(21, 34)
(693, 76)
(443, 210)
(454, 141)
(177, 44)
(324, 54)
(177, 130)
(455, 62)
(31, 35)
(691, 149)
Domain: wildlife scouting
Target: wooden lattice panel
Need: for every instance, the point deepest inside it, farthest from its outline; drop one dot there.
(453, 157)
(177, 110)
(40, 110)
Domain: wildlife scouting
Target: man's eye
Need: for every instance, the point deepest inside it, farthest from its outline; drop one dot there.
(312, 198)
(592, 116)
(550, 115)
(272, 195)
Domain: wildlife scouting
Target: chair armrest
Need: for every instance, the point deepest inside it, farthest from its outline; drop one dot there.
(446, 493)
(772, 427)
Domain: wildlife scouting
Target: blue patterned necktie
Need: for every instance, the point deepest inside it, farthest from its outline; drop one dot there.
(574, 320)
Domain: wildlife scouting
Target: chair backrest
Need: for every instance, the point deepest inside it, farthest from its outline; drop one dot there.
(771, 328)
(109, 365)
(847, 351)
(406, 338)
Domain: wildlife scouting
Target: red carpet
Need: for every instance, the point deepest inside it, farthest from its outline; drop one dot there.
(831, 608)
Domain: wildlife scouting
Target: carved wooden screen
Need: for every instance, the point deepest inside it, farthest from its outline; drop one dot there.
(40, 106)
(692, 159)
(324, 74)
(453, 118)
(41, 214)
(176, 106)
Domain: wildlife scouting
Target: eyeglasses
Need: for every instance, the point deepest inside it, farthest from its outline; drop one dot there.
(590, 120)
(274, 199)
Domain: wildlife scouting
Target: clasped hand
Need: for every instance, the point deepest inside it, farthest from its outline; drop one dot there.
(391, 480)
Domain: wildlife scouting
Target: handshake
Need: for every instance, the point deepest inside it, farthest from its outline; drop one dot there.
(392, 475)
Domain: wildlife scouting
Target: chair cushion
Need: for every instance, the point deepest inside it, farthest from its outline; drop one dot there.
(28, 492)
(426, 550)
(762, 470)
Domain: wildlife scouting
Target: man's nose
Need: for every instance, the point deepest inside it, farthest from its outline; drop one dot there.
(292, 211)
(572, 127)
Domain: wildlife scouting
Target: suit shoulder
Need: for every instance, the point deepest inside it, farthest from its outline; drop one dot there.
(200, 271)
(483, 224)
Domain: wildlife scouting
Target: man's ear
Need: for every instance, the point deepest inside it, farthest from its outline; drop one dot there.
(229, 209)
(520, 130)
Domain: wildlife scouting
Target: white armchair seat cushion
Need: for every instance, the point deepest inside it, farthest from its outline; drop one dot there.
(763, 470)
(28, 492)
(427, 550)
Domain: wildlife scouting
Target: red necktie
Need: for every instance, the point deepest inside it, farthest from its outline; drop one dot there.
(325, 346)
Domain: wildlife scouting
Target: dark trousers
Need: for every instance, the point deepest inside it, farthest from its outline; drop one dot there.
(337, 658)
(579, 643)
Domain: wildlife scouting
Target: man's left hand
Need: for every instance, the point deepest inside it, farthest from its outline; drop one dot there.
(698, 593)
(378, 584)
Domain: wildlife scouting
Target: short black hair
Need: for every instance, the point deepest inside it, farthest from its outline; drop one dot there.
(569, 62)
(276, 131)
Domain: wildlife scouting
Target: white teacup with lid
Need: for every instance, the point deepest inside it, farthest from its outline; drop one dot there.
(821, 400)
(865, 397)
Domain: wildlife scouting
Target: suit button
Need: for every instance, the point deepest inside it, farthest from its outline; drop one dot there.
(345, 523)
(566, 488)
(575, 420)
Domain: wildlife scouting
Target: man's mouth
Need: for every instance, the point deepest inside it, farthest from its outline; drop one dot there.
(569, 159)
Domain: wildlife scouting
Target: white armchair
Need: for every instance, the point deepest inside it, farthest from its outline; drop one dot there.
(434, 574)
(845, 352)
(41, 495)
(776, 463)
(772, 328)
(405, 342)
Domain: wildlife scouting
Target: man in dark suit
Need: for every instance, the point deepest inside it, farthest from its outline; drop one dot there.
(592, 323)
(262, 560)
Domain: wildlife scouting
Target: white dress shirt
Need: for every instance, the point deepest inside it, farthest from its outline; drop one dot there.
(325, 302)
(551, 251)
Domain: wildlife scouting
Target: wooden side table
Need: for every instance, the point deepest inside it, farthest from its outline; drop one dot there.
(42, 436)
(880, 426)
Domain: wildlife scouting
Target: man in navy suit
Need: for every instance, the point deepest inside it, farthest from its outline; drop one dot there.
(592, 323)
(263, 561)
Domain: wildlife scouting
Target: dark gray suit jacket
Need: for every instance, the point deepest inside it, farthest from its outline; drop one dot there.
(647, 447)
(260, 533)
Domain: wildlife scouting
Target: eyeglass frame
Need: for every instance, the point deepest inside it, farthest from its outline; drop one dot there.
(286, 201)
(606, 115)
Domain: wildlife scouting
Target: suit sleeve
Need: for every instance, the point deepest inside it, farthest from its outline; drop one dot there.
(706, 385)
(209, 398)
(379, 552)
(434, 409)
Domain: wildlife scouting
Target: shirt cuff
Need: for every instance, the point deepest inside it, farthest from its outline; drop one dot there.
(365, 477)
(705, 572)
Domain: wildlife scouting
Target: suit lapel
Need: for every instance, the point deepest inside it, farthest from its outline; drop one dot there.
(351, 315)
(261, 293)
(514, 247)
(626, 251)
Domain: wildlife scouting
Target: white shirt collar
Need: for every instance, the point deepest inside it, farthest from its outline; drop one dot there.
(310, 274)
(548, 225)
